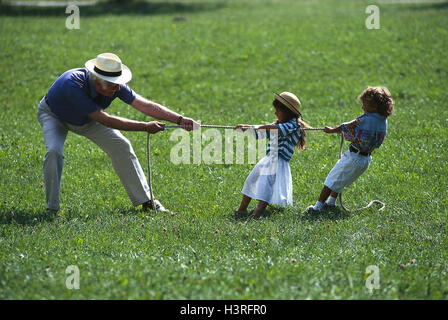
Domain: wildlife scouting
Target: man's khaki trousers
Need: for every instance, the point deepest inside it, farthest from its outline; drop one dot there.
(111, 141)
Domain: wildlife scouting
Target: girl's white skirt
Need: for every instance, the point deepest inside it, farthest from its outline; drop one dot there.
(270, 181)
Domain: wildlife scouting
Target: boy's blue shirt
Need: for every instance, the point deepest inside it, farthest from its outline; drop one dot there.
(369, 133)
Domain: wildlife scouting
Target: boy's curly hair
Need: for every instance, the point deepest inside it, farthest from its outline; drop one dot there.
(378, 97)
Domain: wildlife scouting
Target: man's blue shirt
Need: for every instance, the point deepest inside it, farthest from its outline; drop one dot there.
(73, 96)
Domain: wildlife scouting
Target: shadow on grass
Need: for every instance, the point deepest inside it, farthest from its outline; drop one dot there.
(433, 6)
(325, 214)
(26, 218)
(269, 212)
(113, 8)
(29, 218)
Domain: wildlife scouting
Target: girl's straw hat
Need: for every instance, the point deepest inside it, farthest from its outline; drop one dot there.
(108, 66)
(290, 101)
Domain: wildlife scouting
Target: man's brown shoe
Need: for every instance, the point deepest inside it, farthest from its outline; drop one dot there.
(159, 207)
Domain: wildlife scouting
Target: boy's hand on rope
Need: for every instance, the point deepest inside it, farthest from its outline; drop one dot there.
(328, 129)
(154, 126)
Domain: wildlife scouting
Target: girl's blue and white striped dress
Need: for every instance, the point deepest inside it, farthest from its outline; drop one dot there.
(270, 180)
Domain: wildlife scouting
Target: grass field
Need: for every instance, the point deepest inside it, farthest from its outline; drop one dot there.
(220, 65)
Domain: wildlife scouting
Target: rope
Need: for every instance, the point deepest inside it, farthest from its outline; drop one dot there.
(148, 150)
(225, 127)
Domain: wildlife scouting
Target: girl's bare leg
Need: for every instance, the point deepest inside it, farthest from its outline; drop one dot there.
(260, 208)
(244, 203)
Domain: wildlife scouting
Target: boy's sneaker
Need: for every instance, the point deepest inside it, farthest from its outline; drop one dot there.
(311, 209)
(329, 206)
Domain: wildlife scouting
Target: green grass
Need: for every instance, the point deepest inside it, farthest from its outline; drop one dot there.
(221, 66)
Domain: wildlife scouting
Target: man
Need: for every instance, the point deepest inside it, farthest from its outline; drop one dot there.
(76, 102)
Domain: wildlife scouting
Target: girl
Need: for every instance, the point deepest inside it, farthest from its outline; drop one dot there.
(270, 180)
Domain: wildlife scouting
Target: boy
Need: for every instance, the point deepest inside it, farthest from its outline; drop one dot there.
(366, 133)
